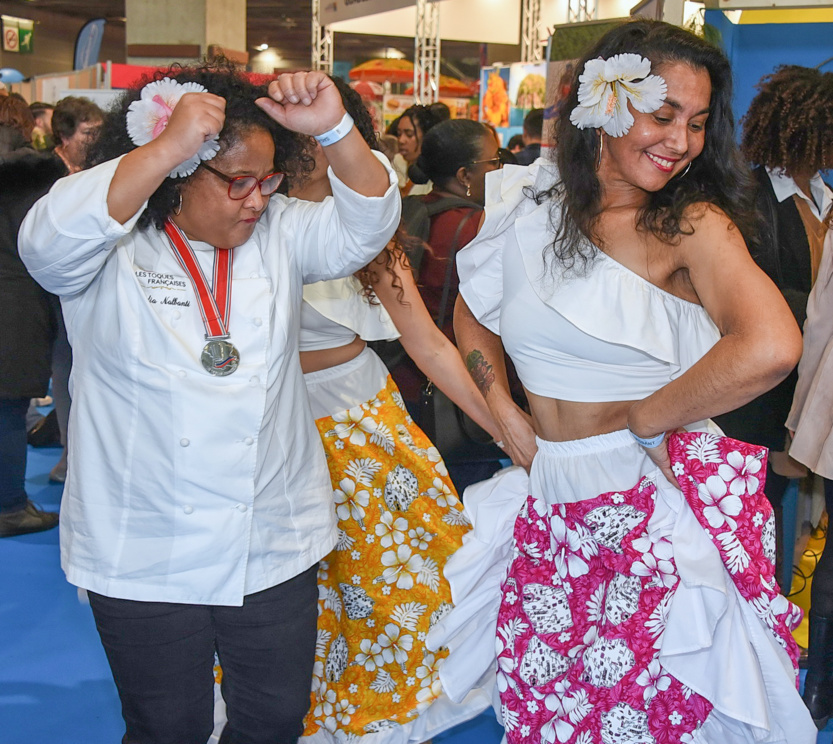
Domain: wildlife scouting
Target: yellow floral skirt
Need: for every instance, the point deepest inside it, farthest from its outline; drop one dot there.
(382, 588)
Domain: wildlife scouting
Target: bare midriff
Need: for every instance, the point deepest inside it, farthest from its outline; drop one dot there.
(315, 361)
(564, 420)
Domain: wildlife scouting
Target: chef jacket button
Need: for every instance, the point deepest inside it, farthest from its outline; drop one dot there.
(241, 507)
(184, 442)
(188, 509)
(177, 315)
(182, 373)
(253, 275)
(249, 440)
(254, 381)
(258, 322)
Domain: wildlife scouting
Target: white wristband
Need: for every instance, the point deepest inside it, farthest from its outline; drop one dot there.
(339, 131)
(648, 443)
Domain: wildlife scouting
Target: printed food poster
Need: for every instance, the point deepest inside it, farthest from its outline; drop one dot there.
(507, 93)
(527, 89)
(494, 96)
(394, 106)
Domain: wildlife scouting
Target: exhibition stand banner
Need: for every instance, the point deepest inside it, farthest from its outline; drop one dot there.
(508, 92)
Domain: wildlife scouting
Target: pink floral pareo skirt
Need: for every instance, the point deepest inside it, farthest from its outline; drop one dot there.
(586, 600)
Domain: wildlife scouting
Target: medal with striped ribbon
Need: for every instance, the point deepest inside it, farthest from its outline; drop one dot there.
(219, 356)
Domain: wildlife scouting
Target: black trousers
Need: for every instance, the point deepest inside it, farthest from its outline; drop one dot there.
(162, 658)
(13, 446)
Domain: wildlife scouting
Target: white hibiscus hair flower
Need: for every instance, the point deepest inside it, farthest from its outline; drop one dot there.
(606, 87)
(148, 117)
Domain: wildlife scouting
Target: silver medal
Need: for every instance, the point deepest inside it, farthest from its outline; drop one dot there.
(220, 358)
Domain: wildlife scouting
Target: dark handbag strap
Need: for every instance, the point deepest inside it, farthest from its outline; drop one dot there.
(449, 272)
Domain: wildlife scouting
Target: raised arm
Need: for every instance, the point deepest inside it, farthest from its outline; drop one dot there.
(483, 354)
(432, 352)
(336, 236)
(309, 102)
(760, 342)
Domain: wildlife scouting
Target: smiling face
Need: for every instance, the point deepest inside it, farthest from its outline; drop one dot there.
(208, 214)
(409, 138)
(660, 145)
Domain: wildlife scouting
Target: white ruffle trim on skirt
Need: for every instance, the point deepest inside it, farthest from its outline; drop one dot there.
(714, 642)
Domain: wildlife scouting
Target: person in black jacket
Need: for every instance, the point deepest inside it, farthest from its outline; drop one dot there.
(27, 332)
(532, 136)
(788, 137)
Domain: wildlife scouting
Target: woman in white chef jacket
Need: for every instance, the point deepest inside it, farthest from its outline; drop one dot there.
(198, 501)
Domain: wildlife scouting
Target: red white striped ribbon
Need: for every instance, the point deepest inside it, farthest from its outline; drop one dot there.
(215, 306)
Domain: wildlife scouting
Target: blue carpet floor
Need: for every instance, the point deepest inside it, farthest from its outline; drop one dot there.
(55, 685)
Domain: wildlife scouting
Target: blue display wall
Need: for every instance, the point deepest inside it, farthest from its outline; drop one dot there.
(756, 50)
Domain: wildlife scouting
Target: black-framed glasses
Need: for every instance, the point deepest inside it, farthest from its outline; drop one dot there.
(239, 187)
(496, 161)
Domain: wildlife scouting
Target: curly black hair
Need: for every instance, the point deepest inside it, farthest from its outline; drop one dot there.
(789, 124)
(718, 176)
(242, 115)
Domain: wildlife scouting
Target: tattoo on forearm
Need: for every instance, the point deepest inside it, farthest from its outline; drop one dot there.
(480, 370)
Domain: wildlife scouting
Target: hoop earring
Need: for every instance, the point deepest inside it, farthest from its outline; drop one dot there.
(601, 150)
(178, 207)
(685, 172)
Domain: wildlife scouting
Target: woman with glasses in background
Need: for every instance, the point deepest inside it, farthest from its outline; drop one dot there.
(456, 156)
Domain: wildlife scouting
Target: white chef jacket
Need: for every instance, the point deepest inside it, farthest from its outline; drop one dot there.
(184, 487)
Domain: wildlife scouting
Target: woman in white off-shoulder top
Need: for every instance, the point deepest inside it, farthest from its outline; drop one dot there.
(624, 590)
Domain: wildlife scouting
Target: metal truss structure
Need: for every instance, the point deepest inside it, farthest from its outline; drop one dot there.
(531, 48)
(582, 10)
(322, 42)
(427, 52)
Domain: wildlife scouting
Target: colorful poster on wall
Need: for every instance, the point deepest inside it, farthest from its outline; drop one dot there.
(507, 93)
(527, 90)
(559, 78)
(393, 107)
(494, 96)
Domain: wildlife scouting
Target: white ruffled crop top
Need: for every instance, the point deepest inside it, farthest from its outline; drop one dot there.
(605, 336)
(334, 312)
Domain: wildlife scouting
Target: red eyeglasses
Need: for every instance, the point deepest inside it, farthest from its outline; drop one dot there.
(239, 187)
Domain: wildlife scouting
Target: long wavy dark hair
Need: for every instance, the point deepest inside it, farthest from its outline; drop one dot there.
(789, 124)
(242, 115)
(718, 176)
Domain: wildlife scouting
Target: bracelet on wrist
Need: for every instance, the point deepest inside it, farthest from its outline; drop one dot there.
(338, 132)
(648, 442)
